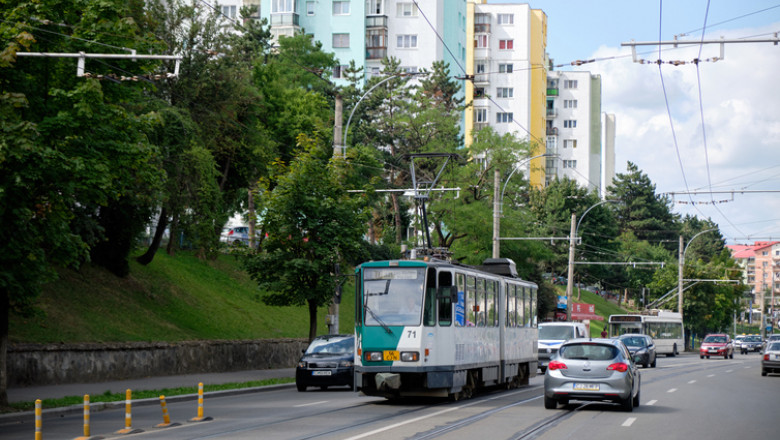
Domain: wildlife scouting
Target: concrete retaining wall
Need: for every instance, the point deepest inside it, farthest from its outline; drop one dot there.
(44, 364)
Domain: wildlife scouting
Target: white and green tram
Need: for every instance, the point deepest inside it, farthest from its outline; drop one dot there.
(434, 328)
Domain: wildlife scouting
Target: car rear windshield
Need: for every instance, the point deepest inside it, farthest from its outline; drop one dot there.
(633, 341)
(561, 332)
(590, 352)
(775, 346)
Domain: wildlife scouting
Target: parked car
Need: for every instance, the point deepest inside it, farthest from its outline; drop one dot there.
(641, 347)
(751, 343)
(770, 362)
(592, 369)
(237, 235)
(772, 338)
(329, 360)
(716, 344)
(552, 335)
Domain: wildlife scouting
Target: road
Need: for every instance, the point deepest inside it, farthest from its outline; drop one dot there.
(684, 397)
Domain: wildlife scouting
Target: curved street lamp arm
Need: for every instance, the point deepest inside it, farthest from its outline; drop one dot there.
(576, 230)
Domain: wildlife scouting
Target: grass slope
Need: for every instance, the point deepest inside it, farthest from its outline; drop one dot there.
(172, 299)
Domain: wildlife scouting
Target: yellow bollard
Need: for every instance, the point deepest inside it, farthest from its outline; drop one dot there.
(38, 420)
(200, 417)
(86, 415)
(128, 429)
(166, 419)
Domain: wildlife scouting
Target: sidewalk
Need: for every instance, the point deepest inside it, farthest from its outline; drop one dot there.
(148, 383)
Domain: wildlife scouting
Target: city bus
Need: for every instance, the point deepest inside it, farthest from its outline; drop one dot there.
(666, 328)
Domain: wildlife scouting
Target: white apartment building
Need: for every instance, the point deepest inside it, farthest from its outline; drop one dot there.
(578, 132)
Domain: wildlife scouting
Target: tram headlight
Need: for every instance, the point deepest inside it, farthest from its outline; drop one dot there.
(410, 356)
(373, 356)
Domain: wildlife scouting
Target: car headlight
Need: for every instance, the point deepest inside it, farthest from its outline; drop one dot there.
(346, 364)
(302, 364)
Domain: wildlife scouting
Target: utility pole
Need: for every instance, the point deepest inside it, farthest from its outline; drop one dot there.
(496, 211)
(570, 277)
(680, 260)
(333, 312)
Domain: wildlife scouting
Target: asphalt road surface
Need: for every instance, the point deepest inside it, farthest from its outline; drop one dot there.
(683, 398)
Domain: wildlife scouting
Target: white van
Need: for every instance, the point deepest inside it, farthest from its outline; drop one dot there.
(553, 334)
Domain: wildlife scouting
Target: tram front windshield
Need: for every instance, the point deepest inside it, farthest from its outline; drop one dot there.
(393, 296)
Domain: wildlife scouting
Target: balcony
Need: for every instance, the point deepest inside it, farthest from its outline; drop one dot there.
(482, 28)
(480, 125)
(285, 19)
(481, 79)
(552, 92)
(552, 113)
(552, 131)
(376, 53)
(376, 21)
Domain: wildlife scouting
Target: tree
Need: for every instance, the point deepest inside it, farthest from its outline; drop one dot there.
(641, 211)
(313, 224)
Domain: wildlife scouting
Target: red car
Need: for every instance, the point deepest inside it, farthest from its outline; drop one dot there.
(716, 344)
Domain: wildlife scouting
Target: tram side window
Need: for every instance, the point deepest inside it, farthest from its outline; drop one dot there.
(471, 302)
(445, 299)
(490, 307)
(510, 305)
(480, 307)
(532, 322)
(519, 307)
(429, 308)
(460, 306)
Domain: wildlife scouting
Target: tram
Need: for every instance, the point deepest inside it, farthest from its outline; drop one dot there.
(440, 329)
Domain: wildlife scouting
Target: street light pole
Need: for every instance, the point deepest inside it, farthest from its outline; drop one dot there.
(498, 200)
(681, 259)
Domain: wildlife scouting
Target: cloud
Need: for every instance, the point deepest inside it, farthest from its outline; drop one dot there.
(740, 104)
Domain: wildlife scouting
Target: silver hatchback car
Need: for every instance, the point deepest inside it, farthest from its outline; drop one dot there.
(592, 369)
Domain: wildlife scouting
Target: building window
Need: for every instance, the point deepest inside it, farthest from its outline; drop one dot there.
(406, 41)
(570, 123)
(408, 69)
(340, 71)
(570, 143)
(569, 164)
(552, 143)
(340, 40)
(340, 8)
(373, 7)
(505, 68)
(569, 103)
(504, 92)
(406, 9)
(505, 44)
(480, 68)
(479, 92)
(570, 84)
(229, 11)
(506, 18)
(282, 6)
(480, 115)
(481, 41)
(503, 117)
(309, 8)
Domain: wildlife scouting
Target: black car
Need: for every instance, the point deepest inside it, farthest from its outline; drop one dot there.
(751, 343)
(642, 348)
(328, 361)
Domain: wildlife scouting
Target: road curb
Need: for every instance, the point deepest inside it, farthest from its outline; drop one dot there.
(29, 416)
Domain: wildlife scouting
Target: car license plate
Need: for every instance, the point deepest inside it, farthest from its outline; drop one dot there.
(713, 350)
(391, 355)
(320, 373)
(586, 386)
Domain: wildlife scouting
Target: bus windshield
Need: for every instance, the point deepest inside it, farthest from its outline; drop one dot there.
(393, 295)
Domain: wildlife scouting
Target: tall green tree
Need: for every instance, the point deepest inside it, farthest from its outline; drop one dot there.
(641, 211)
(313, 224)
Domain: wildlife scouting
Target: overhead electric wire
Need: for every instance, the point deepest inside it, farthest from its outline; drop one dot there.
(727, 21)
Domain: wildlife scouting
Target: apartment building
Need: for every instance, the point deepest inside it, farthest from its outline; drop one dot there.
(760, 263)
(507, 61)
(578, 132)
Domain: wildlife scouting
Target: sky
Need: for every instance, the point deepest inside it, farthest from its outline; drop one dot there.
(659, 112)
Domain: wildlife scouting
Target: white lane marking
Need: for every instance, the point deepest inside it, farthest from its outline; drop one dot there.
(629, 421)
(746, 367)
(310, 404)
(672, 390)
(651, 403)
(417, 419)
(710, 375)
(692, 381)
(729, 371)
